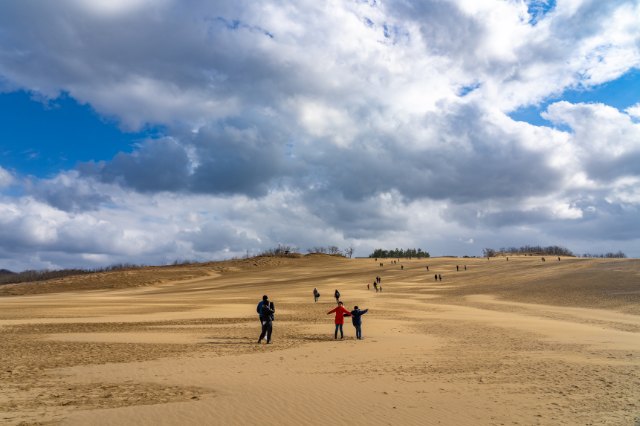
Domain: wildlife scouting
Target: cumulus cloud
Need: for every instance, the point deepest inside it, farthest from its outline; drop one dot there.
(605, 139)
(6, 178)
(67, 192)
(348, 123)
(157, 165)
(634, 111)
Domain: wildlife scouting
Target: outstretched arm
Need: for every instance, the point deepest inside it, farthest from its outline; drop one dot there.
(332, 311)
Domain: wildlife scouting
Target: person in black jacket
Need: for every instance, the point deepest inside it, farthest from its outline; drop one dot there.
(336, 294)
(356, 319)
(266, 318)
(264, 301)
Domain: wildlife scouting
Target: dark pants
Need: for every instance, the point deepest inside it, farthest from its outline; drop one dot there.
(358, 331)
(338, 327)
(267, 327)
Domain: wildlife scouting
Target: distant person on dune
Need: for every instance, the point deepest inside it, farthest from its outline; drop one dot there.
(356, 319)
(316, 294)
(266, 319)
(336, 294)
(265, 302)
(340, 312)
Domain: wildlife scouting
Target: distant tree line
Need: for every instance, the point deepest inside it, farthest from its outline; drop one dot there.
(280, 251)
(8, 277)
(618, 255)
(285, 250)
(398, 253)
(331, 250)
(528, 250)
(325, 250)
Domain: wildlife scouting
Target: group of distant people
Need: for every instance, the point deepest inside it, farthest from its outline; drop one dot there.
(266, 309)
(377, 284)
(266, 312)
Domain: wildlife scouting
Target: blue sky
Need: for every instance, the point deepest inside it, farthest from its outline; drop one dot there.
(41, 137)
(620, 93)
(146, 132)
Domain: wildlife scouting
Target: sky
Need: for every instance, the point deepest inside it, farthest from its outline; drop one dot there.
(155, 131)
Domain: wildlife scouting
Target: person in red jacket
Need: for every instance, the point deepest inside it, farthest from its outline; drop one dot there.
(340, 312)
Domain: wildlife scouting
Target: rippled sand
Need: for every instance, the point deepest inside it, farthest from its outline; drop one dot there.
(504, 342)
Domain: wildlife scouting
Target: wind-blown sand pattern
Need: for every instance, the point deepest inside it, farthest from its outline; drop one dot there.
(502, 343)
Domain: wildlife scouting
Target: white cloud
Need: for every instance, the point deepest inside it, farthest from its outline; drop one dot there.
(634, 111)
(604, 139)
(6, 178)
(114, 8)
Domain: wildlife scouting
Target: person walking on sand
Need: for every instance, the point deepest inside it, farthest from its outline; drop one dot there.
(336, 294)
(340, 312)
(266, 319)
(263, 302)
(375, 286)
(356, 319)
(316, 295)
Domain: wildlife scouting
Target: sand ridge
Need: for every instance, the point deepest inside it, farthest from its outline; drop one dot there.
(504, 342)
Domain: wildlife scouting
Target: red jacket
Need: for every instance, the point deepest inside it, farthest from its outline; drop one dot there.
(340, 313)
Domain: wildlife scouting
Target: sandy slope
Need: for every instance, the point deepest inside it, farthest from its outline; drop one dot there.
(503, 342)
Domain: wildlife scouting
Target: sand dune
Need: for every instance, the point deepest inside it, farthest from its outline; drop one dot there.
(503, 342)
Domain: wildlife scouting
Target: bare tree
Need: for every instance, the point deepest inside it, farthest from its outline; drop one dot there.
(333, 250)
(488, 252)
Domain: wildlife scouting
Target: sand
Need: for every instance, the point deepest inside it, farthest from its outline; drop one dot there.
(502, 343)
